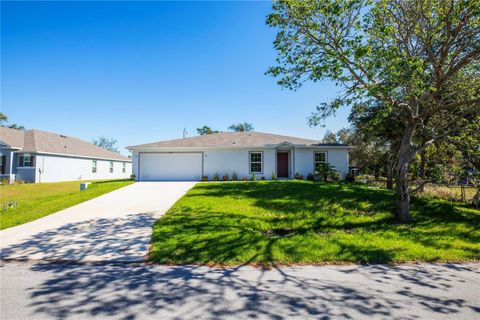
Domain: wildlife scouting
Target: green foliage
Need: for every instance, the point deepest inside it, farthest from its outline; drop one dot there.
(326, 172)
(414, 64)
(216, 177)
(285, 222)
(234, 176)
(4, 120)
(109, 144)
(253, 177)
(206, 130)
(245, 126)
(298, 176)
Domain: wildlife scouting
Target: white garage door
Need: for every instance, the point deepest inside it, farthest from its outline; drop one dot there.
(170, 166)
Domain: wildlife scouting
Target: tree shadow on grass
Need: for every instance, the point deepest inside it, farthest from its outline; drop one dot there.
(309, 215)
(126, 291)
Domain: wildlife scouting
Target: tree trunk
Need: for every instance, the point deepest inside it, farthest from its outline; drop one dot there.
(402, 210)
(389, 177)
(476, 199)
(421, 173)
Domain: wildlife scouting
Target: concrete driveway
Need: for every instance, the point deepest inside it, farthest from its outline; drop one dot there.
(116, 226)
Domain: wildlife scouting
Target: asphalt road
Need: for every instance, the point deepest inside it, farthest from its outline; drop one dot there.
(40, 290)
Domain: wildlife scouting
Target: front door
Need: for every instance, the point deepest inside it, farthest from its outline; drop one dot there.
(282, 164)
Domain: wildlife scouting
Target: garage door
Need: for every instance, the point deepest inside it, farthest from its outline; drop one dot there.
(170, 166)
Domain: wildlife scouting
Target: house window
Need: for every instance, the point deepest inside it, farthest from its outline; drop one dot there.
(26, 160)
(94, 166)
(123, 167)
(256, 162)
(111, 166)
(319, 158)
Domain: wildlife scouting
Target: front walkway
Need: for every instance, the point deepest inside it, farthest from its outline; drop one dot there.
(116, 226)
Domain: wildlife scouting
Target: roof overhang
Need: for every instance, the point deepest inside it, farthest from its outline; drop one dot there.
(4, 145)
(75, 156)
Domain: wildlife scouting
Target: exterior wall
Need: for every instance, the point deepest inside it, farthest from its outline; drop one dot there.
(26, 174)
(51, 168)
(224, 161)
(304, 160)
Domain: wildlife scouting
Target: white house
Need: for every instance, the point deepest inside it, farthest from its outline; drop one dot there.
(40, 156)
(245, 153)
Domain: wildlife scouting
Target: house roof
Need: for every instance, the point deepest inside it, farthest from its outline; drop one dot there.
(12, 137)
(48, 142)
(233, 140)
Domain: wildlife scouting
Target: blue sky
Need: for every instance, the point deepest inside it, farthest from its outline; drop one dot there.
(141, 72)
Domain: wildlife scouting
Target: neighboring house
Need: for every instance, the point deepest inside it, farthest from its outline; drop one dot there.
(245, 153)
(40, 156)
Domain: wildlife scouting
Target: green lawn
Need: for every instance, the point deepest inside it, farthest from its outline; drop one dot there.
(282, 222)
(37, 200)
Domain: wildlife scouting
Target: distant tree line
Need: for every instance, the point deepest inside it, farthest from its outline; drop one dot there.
(4, 120)
(239, 127)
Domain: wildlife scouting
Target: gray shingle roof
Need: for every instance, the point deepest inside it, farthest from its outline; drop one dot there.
(12, 137)
(43, 141)
(231, 140)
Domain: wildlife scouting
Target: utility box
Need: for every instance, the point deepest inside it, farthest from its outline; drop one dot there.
(84, 185)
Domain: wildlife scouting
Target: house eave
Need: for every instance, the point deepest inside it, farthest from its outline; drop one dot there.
(74, 155)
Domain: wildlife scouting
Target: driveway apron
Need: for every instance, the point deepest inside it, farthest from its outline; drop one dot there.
(116, 226)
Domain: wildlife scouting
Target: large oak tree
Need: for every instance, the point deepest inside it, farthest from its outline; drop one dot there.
(418, 58)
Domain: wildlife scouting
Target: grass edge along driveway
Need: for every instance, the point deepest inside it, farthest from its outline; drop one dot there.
(36, 200)
(290, 222)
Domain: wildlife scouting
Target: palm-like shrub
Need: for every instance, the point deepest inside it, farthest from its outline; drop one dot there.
(325, 172)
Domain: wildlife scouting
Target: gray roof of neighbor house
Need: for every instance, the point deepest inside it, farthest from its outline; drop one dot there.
(234, 140)
(48, 142)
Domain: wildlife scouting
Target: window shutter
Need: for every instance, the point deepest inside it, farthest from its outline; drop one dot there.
(32, 161)
(20, 161)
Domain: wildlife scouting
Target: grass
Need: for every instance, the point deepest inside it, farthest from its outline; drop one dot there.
(286, 222)
(450, 192)
(37, 200)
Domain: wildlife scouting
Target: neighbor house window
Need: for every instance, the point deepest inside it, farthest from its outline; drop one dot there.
(26, 160)
(256, 162)
(320, 158)
(94, 166)
(111, 166)
(123, 167)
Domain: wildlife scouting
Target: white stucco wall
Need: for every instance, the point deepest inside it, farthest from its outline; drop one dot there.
(51, 168)
(304, 160)
(224, 161)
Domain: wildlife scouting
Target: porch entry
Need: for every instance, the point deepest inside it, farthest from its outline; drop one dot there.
(282, 164)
